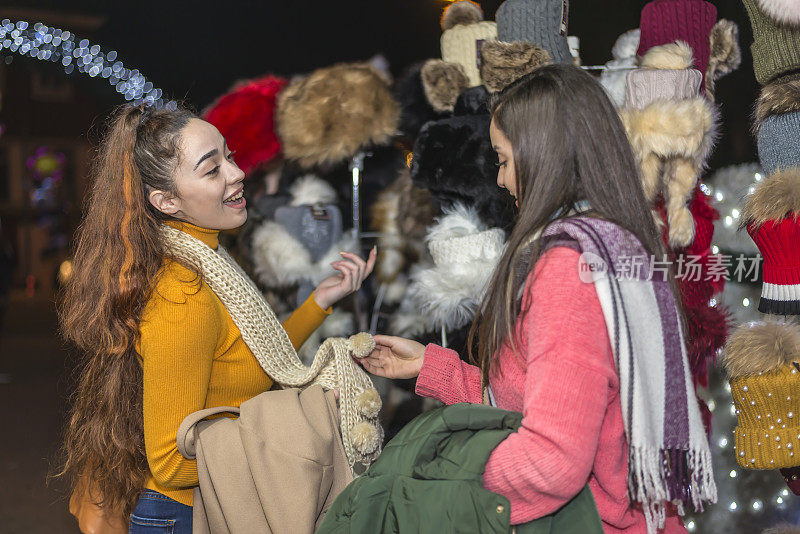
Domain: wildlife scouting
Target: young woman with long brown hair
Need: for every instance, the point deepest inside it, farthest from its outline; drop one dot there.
(158, 343)
(593, 357)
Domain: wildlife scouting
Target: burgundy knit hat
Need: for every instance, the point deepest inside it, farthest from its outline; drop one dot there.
(779, 244)
(665, 21)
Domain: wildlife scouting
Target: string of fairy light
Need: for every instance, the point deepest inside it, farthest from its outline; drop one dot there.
(45, 43)
(728, 203)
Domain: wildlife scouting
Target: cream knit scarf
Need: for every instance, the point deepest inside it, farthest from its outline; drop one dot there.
(332, 368)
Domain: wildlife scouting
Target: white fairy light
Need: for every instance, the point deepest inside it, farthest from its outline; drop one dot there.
(732, 506)
(719, 196)
(723, 442)
(757, 505)
(691, 526)
(45, 43)
(758, 176)
(733, 474)
(745, 302)
(714, 249)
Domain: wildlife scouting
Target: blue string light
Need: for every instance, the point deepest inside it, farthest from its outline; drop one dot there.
(59, 46)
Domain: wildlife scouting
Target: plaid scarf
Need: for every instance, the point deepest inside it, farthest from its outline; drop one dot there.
(669, 459)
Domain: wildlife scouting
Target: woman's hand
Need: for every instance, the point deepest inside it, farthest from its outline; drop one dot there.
(395, 357)
(353, 270)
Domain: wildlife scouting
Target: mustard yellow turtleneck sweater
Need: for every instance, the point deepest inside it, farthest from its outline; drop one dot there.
(193, 357)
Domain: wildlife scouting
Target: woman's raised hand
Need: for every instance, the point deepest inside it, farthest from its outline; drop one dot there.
(353, 270)
(395, 357)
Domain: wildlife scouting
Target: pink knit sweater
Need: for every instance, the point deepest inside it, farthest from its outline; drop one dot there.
(565, 383)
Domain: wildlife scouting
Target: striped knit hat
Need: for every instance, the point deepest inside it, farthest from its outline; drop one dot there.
(691, 21)
(772, 214)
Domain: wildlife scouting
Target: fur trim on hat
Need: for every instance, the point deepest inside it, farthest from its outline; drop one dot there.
(449, 293)
(784, 11)
(672, 140)
(462, 12)
(503, 63)
(774, 198)
(626, 45)
(335, 112)
(777, 98)
(726, 56)
(443, 82)
(761, 347)
(672, 56)
(310, 190)
(280, 260)
(416, 109)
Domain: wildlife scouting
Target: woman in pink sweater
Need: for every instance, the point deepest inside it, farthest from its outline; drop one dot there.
(543, 340)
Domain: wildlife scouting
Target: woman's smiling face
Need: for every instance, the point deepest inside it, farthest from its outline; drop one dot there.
(208, 181)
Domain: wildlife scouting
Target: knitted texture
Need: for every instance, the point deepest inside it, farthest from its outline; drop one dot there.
(779, 142)
(775, 48)
(461, 45)
(665, 21)
(779, 244)
(332, 368)
(768, 413)
(645, 86)
(540, 22)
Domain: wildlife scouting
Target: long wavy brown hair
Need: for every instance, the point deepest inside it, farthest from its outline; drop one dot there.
(569, 145)
(117, 258)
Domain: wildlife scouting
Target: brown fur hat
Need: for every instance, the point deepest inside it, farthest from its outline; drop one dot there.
(761, 347)
(503, 63)
(401, 215)
(673, 56)
(778, 97)
(671, 140)
(726, 56)
(774, 198)
(462, 12)
(442, 83)
(335, 112)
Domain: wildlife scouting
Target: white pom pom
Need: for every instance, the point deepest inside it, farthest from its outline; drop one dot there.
(364, 438)
(361, 345)
(369, 403)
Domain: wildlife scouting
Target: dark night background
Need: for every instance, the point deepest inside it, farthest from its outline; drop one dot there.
(196, 50)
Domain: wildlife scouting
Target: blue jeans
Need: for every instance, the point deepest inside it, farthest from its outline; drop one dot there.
(156, 513)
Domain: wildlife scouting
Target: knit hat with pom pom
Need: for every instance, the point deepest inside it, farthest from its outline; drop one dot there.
(464, 33)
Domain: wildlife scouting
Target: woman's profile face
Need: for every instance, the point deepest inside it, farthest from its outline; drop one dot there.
(208, 181)
(506, 172)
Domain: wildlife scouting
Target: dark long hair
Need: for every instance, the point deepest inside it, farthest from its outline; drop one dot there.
(569, 145)
(117, 258)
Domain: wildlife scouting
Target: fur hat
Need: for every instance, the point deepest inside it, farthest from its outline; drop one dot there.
(410, 93)
(776, 46)
(672, 140)
(336, 112)
(245, 117)
(442, 83)
(782, 11)
(772, 215)
(762, 364)
(691, 21)
(401, 216)
(779, 142)
(503, 63)
(539, 22)
(464, 32)
(777, 97)
(454, 160)
(624, 53)
(726, 56)
(465, 254)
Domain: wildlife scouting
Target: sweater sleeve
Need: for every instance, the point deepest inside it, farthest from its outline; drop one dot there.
(304, 320)
(448, 379)
(568, 383)
(179, 333)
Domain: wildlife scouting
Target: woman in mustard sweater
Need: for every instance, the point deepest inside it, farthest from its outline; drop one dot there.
(159, 343)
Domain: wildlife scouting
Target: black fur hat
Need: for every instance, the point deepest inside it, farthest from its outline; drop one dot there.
(454, 159)
(414, 105)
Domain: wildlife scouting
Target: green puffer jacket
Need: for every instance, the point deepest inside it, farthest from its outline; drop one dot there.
(429, 479)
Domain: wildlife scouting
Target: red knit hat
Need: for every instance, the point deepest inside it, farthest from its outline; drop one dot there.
(779, 244)
(246, 119)
(665, 21)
